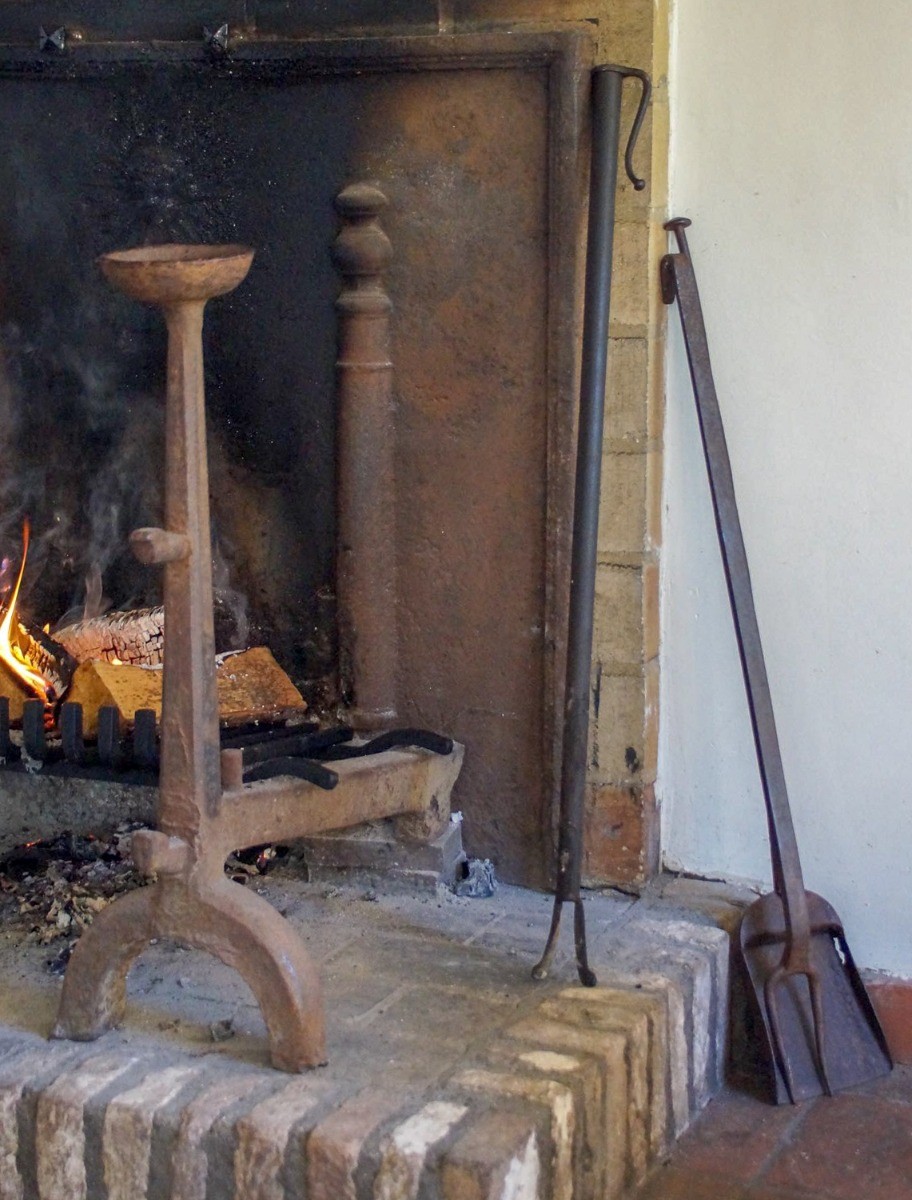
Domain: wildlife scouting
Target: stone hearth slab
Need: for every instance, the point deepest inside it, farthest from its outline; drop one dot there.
(449, 1067)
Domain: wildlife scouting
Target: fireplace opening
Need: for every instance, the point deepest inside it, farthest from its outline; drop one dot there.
(476, 142)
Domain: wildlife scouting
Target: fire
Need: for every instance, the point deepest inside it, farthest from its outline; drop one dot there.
(8, 651)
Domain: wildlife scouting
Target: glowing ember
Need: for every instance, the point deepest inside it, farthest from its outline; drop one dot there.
(9, 653)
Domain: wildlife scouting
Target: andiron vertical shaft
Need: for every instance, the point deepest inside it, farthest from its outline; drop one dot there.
(190, 738)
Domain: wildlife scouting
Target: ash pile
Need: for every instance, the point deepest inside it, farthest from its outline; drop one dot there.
(52, 890)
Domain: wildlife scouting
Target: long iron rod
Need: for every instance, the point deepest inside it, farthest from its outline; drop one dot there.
(607, 84)
(679, 282)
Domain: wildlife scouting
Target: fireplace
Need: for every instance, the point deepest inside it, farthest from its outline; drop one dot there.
(477, 144)
(411, 176)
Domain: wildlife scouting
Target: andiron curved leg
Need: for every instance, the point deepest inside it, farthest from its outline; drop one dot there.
(95, 985)
(236, 926)
(247, 934)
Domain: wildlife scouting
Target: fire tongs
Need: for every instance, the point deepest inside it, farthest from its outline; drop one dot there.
(821, 1036)
(607, 86)
(205, 811)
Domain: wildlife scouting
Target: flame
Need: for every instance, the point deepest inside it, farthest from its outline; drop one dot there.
(8, 652)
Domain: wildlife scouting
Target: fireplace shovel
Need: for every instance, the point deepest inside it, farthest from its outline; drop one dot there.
(817, 1029)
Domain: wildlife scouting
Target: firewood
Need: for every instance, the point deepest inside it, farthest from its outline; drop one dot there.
(135, 637)
(14, 691)
(251, 686)
(42, 654)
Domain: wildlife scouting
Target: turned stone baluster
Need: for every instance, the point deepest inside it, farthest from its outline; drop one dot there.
(366, 489)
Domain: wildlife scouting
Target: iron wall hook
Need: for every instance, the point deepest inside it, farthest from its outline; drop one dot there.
(667, 277)
(677, 225)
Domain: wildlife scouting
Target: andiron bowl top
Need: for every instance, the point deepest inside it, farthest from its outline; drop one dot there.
(172, 274)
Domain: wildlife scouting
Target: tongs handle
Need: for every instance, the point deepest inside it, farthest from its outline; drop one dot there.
(679, 282)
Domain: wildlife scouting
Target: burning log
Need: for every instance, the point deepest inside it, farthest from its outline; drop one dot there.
(45, 655)
(42, 654)
(136, 638)
(251, 686)
(42, 667)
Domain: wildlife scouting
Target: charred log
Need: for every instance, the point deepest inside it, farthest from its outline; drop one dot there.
(136, 638)
(45, 655)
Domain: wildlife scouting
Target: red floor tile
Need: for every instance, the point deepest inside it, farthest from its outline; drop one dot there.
(849, 1148)
(892, 1000)
(671, 1184)
(735, 1137)
(758, 1192)
(857, 1146)
(897, 1086)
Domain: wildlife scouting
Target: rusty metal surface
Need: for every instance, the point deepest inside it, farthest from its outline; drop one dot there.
(482, 170)
(365, 464)
(821, 1031)
(180, 279)
(191, 901)
(393, 783)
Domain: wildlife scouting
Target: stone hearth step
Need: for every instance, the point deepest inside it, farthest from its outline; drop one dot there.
(564, 1094)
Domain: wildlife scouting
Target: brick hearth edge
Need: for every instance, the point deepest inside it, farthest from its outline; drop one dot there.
(572, 1100)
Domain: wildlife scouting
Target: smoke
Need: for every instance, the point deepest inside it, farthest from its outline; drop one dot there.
(83, 458)
(126, 491)
(232, 617)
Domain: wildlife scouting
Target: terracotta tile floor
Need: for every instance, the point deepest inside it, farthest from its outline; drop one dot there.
(855, 1146)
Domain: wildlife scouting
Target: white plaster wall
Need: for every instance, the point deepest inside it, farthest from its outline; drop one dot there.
(792, 153)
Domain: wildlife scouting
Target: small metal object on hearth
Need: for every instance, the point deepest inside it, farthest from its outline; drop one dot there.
(217, 40)
(52, 43)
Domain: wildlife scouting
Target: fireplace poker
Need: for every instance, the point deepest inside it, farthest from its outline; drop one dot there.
(607, 86)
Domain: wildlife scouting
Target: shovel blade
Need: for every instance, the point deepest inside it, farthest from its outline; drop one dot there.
(853, 1046)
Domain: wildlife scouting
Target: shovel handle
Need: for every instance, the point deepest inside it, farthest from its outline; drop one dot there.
(679, 282)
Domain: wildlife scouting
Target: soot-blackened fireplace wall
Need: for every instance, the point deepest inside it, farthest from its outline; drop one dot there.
(477, 141)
